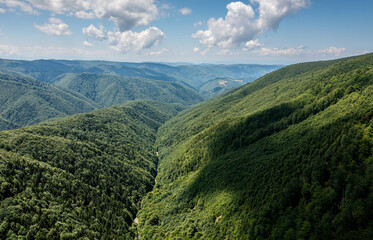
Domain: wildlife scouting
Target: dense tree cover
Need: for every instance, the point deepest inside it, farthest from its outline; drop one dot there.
(108, 90)
(26, 101)
(217, 86)
(289, 156)
(80, 177)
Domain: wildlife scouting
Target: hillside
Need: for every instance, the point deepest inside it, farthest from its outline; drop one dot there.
(189, 75)
(289, 156)
(25, 101)
(108, 90)
(218, 86)
(79, 177)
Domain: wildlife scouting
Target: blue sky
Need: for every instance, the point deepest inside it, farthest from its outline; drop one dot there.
(216, 31)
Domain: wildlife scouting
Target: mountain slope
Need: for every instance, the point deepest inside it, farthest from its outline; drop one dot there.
(217, 86)
(81, 176)
(108, 90)
(189, 75)
(42, 70)
(288, 156)
(25, 101)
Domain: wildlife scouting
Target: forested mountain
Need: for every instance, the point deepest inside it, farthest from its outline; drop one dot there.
(108, 90)
(26, 101)
(191, 75)
(217, 86)
(80, 177)
(288, 156)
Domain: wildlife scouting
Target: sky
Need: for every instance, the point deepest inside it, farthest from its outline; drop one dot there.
(194, 31)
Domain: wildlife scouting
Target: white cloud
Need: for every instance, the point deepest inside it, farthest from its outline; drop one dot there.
(251, 45)
(196, 50)
(242, 24)
(87, 44)
(332, 51)
(224, 52)
(125, 13)
(158, 53)
(9, 50)
(85, 15)
(21, 5)
(185, 11)
(55, 27)
(95, 33)
(2, 10)
(281, 51)
(129, 40)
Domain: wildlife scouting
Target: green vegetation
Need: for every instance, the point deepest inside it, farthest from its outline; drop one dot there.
(80, 177)
(108, 90)
(218, 86)
(25, 101)
(289, 156)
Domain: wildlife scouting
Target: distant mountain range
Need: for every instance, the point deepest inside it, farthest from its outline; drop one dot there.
(33, 91)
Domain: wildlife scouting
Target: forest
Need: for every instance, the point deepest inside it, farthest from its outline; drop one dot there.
(287, 156)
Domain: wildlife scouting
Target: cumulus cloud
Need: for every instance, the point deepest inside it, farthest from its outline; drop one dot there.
(95, 33)
(87, 44)
(185, 11)
(55, 27)
(332, 51)
(129, 40)
(2, 10)
(21, 5)
(85, 15)
(125, 13)
(251, 45)
(242, 24)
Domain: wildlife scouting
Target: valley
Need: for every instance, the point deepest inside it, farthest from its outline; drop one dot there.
(287, 156)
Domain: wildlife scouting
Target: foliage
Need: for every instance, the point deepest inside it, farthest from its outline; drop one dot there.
(25, 101)
(79, 177)
(218, 86)
(108, 90)
(289, 156)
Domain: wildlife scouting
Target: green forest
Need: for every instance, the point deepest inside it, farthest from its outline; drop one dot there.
(287, 156)
(81, 176)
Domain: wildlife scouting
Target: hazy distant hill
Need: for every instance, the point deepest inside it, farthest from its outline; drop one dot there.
(108, 90)
(25, 101)
(192, 75)
(289, 156)
(42, 70)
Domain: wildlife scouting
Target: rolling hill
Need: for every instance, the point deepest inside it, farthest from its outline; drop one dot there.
(288, 156)
(189, 75)
(80, 177)
(108, 90)
(218, 86)
(25, 101)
